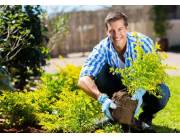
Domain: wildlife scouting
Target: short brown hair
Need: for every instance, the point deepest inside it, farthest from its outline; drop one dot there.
(114, 16)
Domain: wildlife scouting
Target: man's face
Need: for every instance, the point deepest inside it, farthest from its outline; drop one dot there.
(117, 31)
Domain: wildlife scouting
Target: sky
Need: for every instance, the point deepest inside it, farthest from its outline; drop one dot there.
(52, 9)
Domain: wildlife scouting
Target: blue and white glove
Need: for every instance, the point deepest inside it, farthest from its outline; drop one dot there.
(138, 95)
(106, 105)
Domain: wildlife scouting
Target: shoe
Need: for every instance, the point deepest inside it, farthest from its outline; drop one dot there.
(126, 128)
(147, 128)
(142, 127)
(146, 118)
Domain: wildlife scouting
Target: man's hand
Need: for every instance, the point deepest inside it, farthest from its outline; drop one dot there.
(106, 105)
(138, 96)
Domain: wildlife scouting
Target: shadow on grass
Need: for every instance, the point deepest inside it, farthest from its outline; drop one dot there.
(164, 129)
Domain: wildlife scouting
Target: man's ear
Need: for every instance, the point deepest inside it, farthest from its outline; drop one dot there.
(107, 33)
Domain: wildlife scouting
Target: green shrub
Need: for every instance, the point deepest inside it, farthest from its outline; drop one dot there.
(78, 111)
(17, 109)
(57, 105)
(22, 42)
(67, 77)
(72, 111)
(146, 71)
(110, 128)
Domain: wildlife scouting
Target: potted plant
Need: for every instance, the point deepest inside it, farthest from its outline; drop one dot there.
(146, 72)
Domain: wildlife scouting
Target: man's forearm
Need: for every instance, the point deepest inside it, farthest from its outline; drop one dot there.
(88, 85)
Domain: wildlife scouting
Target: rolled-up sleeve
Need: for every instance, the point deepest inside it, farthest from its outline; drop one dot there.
(94, 62)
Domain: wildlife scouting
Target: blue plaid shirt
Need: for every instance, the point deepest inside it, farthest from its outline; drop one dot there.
(104, 53)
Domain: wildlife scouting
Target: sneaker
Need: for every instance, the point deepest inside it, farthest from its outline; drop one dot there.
(142, 127)
(147, 128)
(126, 128)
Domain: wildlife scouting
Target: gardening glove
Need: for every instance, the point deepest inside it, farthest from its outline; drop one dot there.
(138, 96)
(106, 105)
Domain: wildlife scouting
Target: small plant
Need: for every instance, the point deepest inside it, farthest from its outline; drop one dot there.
(57, 105)
(74, 112)
(147, 70)
(110, 128)
(17, 109)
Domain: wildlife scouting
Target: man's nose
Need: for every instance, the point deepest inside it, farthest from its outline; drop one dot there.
(116, 34)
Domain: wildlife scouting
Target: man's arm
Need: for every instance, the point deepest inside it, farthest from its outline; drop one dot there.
(88, 85)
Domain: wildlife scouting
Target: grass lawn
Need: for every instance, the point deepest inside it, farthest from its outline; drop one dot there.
(168, 119)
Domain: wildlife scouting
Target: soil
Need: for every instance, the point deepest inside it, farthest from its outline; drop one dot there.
(27, 129)
(23, 130)
(124, 113)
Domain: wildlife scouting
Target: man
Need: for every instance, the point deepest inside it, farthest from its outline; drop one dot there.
(115, 51)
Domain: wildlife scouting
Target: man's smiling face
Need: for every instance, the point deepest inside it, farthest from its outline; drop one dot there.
(117, 32)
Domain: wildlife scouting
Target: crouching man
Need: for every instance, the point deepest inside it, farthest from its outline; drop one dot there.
(115, 51)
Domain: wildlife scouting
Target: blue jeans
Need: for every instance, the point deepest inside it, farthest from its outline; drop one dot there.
(108, 83)
(152, 104)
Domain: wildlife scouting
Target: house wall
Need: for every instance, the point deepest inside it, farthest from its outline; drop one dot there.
(173, 34)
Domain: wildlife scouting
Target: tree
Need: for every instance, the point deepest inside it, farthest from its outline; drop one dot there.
(58, 32)
(160, 20)
(23, 50)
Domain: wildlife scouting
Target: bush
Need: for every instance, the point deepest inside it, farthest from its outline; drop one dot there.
(57, 105)
(23, 49)
(78, 111)
(67, 111)
(17, 109)
(66, 78)
(73, 110)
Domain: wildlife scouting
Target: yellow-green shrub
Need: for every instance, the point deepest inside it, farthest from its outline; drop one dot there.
(57, 105)
(66, 77)
(147, 70)
(17, 109)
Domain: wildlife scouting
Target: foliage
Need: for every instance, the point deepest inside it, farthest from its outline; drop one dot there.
(17, 108)
(110, 128)
(58, 32)
(146, 72)
(58, 24)
(67, 78)
(56, 106)
(72, 110)
(22, 49)
(79, 111)
(159, 16)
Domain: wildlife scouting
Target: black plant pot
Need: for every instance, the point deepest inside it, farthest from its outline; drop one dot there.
(164, 44)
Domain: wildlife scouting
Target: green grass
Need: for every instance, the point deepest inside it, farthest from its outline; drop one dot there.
(168, 119)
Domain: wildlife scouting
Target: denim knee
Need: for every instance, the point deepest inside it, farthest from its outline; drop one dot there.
(165, 96)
